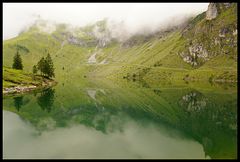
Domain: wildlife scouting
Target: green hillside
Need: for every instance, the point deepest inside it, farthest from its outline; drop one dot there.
(204, 50)
(13, 78)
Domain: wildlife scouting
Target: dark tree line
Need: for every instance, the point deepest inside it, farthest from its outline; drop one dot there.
(44, 65)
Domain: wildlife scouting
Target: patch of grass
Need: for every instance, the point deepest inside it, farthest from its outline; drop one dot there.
(13, 77)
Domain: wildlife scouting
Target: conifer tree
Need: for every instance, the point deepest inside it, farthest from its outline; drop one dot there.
(35, 69)
(45, 65)
(17, 62)
(41, 65)
(49, 66)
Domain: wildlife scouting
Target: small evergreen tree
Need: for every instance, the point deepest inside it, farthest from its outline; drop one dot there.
(17, 62)
(45, 67)
(41, 65)
(49, 66)
(35, 69)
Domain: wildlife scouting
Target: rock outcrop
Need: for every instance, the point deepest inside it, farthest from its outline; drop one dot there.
(194, 102)
(212, 11)
(27, 88)
(206, 38)
(194, 54)
(18, 89)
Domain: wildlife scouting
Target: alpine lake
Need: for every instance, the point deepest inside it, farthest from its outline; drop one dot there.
(102, 119)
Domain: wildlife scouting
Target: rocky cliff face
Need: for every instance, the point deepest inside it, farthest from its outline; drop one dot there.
(194, 54)
(211, 35)
(212, 11)
(215, 8)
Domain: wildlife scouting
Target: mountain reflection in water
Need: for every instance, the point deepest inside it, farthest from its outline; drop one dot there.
(110, 121)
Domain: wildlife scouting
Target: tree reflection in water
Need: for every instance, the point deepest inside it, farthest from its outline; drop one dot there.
(18, 102)
(46, 99)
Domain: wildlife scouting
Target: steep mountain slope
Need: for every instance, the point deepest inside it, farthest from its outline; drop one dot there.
(204, 49)
(208, 37)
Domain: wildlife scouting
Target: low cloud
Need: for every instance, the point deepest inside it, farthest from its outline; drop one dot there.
(20, 140)
(131, 17)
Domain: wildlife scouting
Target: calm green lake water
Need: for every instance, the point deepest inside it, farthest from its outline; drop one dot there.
(108, 120)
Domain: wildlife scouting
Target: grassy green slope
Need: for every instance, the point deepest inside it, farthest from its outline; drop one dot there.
(13, 77)
(153, 60)
(66, 57)
(159, 59)
(217, 36)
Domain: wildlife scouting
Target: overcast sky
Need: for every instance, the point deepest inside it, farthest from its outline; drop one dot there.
(17, 16)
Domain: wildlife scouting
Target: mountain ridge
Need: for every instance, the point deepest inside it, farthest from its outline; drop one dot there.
(183, 52)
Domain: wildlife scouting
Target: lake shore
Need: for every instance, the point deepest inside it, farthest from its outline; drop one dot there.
(20, 89)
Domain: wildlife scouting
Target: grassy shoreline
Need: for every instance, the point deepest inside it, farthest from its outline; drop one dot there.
(19, 82)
